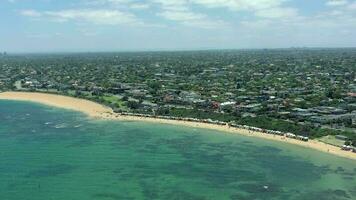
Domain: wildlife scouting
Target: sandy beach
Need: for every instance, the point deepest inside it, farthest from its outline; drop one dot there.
(96, 110)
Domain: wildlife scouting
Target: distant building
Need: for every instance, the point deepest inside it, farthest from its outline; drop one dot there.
(228, 103)
(351, 94)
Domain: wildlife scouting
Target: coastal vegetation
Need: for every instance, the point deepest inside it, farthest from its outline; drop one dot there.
(309, 92)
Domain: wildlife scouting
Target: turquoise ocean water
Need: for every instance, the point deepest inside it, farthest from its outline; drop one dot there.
(54, 154)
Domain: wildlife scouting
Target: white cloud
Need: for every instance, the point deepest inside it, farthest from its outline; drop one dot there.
(277, 13)
(352, 6)
(102, 17)
(193, 13)
(173, 5)
(140, 6)
(43, 35)
(336, 2)
(234, 5)
(30, 13)
(240, 4)
(181, 15)
(206, 24)
(180, 11)
(260, 8)
(192, 19)
(123, 4)
(331, 23)
(98, 2)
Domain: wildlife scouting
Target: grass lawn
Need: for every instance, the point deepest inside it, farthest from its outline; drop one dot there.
(114, 100)
(330, 139)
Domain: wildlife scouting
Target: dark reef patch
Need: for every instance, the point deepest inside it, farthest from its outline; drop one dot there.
(110, 196)
(51, 170)
(326, 195)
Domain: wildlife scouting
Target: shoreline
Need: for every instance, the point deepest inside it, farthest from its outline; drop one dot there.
(96, 110)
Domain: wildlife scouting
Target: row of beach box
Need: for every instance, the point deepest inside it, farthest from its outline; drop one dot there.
(348, 148)
(250, 128)
(210, 121)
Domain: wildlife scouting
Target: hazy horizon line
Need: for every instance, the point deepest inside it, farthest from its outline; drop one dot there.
(166, 50)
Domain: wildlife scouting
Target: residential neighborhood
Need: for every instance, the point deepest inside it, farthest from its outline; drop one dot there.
(309, 92)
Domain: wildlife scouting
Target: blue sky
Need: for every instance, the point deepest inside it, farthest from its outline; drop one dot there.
(132, 25)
